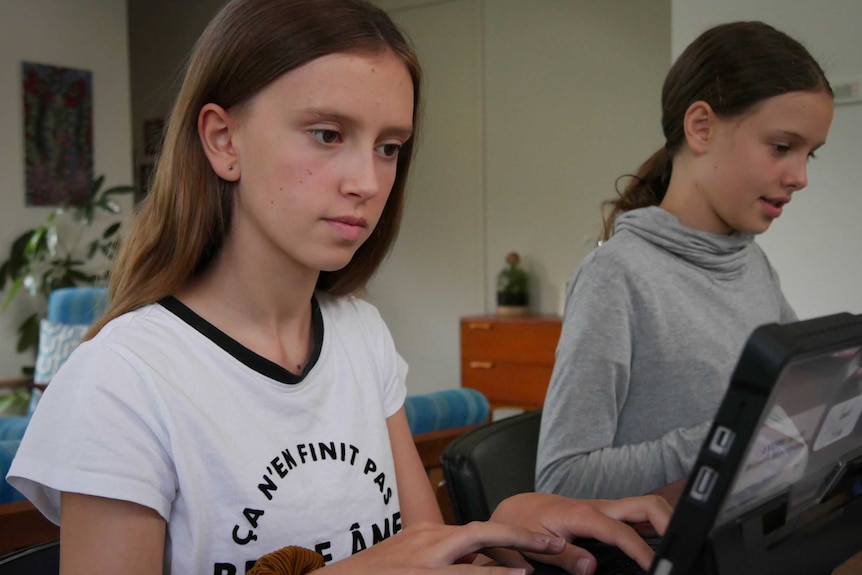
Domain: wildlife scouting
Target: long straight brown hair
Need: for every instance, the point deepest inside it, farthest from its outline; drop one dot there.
(183, 221)
(732, 67)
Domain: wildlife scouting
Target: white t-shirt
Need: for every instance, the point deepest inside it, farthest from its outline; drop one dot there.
(172, 414)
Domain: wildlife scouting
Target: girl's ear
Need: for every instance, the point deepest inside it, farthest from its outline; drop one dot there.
(215, 129)
(699, 125)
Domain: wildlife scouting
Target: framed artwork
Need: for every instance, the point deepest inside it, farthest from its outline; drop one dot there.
(58, 134)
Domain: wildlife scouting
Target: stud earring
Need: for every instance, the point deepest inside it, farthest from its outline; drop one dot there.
(230, 168)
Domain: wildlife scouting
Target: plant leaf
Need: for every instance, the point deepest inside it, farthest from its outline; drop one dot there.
(110, 206)
(16, 285)
(111, 230)
(43, 259)
(96, 185)
(28, 333)
(117, 190)
(79, 276)
(51, 240)
(92, 248)
(35, 248)
(31, 283)
(88, 213)
(5, 271)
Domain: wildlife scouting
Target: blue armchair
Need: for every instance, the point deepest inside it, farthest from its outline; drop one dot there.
(11, 431)
(446, 409)
(437, 418)
(71, 311)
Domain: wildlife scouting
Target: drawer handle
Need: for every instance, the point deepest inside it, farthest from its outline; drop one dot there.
(481, 365)
(479, 325)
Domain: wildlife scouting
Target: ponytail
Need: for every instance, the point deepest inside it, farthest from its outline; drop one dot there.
(646, 188)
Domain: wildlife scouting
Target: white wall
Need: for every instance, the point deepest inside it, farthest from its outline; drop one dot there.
(816, 246)
(436, 270)
(161, 34)
(84, 34)
(572, 92)
(534, 108)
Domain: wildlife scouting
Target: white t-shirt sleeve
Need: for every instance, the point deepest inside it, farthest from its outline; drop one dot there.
(98, 430)
(392, 367)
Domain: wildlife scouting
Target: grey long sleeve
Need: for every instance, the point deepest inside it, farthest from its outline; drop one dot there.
(649, 341)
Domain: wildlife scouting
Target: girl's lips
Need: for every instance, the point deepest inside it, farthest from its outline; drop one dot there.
(773, 208)
(349, 228)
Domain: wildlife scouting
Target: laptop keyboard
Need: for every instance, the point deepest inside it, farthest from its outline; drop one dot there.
(611, 561)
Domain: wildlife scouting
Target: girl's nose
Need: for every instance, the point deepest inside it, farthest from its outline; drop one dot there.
(360, 178)
(797, 178)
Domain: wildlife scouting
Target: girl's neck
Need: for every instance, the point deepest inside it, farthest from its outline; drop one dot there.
(255, 283)
(266, 311)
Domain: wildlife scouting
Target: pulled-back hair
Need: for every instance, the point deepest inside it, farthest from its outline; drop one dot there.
(732, 67)
(186, 215)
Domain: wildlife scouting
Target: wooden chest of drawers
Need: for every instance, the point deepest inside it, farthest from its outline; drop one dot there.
(509, 359)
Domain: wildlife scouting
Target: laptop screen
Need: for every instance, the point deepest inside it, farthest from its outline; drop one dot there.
(808, 439)
(779, 477)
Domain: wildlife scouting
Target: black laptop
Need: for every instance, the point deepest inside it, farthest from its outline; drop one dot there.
(777, 485)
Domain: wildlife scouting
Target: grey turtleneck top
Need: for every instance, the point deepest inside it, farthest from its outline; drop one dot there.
(655, 320)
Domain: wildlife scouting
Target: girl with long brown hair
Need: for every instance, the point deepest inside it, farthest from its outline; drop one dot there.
(237, 398)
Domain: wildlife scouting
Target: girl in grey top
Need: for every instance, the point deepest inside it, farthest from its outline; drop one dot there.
(656, 317)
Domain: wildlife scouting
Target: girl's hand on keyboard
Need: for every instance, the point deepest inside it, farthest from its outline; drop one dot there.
(609, 521)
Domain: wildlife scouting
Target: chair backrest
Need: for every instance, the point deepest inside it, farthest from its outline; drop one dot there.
(77, 305)
(71, 311)
(435, 419)
(43, 559)
(446, 409)
(490, 463)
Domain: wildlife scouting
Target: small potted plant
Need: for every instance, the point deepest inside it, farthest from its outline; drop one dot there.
(513, 296)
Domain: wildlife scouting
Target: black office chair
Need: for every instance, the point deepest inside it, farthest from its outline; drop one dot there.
(42, 559)
(490, 463)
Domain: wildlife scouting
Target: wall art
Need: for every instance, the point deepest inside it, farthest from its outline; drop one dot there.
(58, 134)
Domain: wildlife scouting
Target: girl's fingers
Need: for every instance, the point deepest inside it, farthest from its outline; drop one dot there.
(602, 521)
(485, 535)
(626, 538)
(507, 557)
(652, 509)
(475, 570)
(573, 560)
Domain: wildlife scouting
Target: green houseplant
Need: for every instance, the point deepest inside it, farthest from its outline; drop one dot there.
(64, 251)
(513, 297)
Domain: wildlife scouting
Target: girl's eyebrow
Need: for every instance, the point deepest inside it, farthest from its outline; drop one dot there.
(314, 113)
(323, 114)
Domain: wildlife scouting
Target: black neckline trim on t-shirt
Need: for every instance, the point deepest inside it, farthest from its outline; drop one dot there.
(251, 359)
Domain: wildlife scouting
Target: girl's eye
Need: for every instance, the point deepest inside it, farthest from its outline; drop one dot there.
(811, 156)
(389, 150)
(781, 148)
(325, 136)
